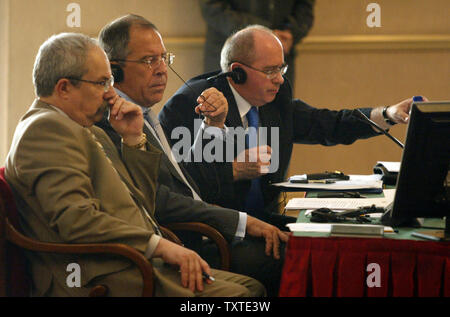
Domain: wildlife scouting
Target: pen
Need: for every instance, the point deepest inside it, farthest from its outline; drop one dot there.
(425, 236)
(208, 277)
(321, 181)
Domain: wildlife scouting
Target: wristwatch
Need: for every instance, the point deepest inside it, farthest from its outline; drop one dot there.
(386, 118)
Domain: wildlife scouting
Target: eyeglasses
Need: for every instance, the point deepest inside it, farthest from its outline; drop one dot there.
(270, 73)
(108, 83)
(152, 61)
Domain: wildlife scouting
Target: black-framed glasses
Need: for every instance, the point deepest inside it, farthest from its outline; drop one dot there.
(270, 73)
(108, 83)
(152, 61)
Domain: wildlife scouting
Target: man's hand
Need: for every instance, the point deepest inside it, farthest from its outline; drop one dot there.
(190, 263)
(271, 234)
(252, 163)
(398, 113)
(214, 106)
(286, 39)
(127, 119)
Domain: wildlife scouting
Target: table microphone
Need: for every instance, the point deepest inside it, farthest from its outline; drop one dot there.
(362, 117)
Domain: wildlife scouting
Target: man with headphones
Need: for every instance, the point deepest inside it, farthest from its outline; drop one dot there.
(259, 96)
(139, 63)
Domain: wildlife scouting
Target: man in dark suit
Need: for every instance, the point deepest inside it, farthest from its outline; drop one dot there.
(245, 185)
(139, 62)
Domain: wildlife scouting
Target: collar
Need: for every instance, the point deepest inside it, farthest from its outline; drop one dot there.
(124, 95)
(242, 104)
(59, 110)
(145, 110)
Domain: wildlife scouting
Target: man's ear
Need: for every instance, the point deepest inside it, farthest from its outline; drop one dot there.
(63, 88)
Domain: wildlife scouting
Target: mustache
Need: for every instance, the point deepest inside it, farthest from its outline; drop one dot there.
(103, 108)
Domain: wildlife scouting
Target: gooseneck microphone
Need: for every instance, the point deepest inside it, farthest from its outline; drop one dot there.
(238, 75)
(362, 117)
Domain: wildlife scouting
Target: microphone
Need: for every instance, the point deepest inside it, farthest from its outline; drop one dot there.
(238, 75)
(362, 117)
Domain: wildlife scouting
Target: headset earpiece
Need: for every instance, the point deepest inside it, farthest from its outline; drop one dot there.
(238, 75)
(117, 73)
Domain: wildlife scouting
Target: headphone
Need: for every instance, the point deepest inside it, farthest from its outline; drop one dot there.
(238, 75)
(117, 73)
(358, 215)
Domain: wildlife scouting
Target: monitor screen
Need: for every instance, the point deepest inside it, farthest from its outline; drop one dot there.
(422, 189)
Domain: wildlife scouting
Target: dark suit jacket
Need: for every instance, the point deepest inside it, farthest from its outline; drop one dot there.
(297, 121)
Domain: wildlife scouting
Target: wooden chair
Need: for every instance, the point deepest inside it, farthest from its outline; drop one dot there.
(14, 277)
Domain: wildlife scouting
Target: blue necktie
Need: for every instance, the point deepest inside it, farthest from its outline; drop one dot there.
(254, 202)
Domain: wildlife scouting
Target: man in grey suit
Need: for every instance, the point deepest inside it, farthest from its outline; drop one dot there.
(69, 191)
(139, 62)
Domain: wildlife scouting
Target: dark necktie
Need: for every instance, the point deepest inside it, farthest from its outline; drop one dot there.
(254, 202)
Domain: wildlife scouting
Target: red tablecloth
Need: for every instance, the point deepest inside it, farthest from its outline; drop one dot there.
(338, 266)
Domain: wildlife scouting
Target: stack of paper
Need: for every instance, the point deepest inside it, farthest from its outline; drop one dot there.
(341, 203)
(340, 229)
(392, 167)
(356, 182)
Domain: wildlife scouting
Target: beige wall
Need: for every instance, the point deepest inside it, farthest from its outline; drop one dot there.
(343, 63)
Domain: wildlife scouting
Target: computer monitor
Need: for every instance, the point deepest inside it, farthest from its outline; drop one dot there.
(422, 189)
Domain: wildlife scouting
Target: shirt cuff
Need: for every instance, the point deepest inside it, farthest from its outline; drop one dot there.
(151, 246)
(215, 131)
(242, 224)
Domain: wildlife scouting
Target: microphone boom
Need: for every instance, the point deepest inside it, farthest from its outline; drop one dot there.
(361, 116)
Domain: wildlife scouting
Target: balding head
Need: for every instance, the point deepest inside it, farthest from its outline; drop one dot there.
(244, 45)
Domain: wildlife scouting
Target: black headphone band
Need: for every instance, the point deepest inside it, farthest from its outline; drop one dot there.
(117, 73)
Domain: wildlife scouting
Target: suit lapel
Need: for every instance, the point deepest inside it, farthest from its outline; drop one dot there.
(111, 152)
(270, 117)
(166, 161)
(233, 116)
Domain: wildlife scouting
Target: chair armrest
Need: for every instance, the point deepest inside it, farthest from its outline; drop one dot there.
(132, 254)
(209, 232)
(170, 235)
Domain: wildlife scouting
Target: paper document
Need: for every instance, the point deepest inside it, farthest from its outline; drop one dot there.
(328, 227)
(356, 182)
(309, 227)
(392, 167)
(341, 203)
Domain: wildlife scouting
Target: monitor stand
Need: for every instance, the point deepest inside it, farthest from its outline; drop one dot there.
(436, 234)
(429, 234)
(388, 220)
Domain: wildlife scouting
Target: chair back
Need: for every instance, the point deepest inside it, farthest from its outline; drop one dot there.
(14, 276)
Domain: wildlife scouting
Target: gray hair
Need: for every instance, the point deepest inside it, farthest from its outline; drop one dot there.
(62, 55)
(240, 46)
(115, 36)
